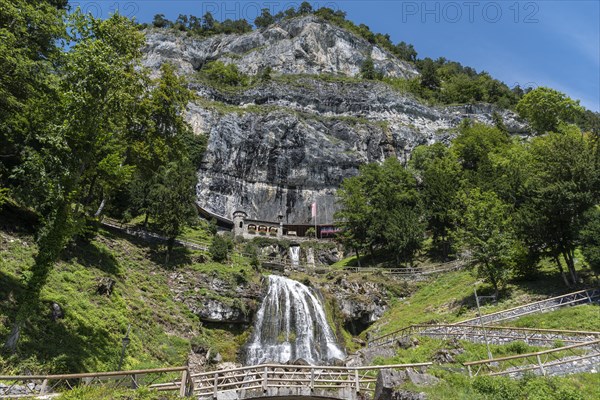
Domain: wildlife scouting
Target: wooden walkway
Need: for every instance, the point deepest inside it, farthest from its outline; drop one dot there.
(23, 386)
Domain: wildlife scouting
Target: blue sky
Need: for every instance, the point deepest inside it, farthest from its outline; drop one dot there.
(531, 43)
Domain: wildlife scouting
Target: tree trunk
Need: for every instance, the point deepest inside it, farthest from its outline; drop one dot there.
(562, 271)
(170, 244)
(357, 257)
(13, 338)
(146, 220)
(570, 260)
(88, 198)
(101, 207)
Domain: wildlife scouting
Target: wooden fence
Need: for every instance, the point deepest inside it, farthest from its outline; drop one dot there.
(539, 362)
(172, 379)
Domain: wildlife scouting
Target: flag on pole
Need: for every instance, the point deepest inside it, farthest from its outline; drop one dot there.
(314, 209)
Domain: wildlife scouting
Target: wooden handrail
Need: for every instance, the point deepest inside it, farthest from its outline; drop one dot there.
(93, 374)
(529, 304)
(260, 368)
(537, 353)
(461, 323)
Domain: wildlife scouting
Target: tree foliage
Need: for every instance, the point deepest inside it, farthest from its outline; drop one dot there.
(264, 19)
(95, 126)
(224, 74)
(381, 208)
(172, 200)
(220, 247)
(440, 180)
(561, 188)
(544, 108)
(590, 239)
(367, 69)
(485, 228)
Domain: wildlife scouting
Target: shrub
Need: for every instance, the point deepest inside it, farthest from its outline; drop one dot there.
(225, 74)
(219, 249)
(518, 347)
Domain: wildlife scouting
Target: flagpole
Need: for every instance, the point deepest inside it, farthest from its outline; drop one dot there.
(316, 220)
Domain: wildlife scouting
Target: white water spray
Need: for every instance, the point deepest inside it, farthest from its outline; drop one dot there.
(291, 324)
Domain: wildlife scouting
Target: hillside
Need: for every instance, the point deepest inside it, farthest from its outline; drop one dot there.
(167, 327)
(98, 289)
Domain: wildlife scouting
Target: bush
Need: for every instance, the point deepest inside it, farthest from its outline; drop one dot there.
(225, 74)
(219, 249)
(518, 347)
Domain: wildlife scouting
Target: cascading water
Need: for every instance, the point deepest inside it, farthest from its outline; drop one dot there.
(295, 255)
(290, 325)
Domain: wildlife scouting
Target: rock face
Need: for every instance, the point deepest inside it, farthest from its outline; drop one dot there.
(277, 146)
(216, 300)
(306, 45)
(361, 303)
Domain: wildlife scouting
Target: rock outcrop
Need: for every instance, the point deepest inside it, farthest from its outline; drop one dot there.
(361, 302)
(217, 300)
(277, 146)
(307, 45)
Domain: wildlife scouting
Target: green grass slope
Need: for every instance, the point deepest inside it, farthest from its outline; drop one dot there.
(449, 298)
(88, 337)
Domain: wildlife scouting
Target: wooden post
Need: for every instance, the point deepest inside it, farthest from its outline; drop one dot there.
(216, 385)
(312, 379)
(539, 360)
(44, 387)
(265, 379)
(470, 372)
(190, 383)
(356, 381)
(487, 343)
(182, 387)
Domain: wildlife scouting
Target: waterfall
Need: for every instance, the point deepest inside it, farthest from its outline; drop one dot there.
(291, 324)
(295, 255)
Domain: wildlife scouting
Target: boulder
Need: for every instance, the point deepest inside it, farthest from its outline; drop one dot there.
(407, 342)
(105, 286)
(408, 395)
(57, 312)
(421, 378)
(387, 380)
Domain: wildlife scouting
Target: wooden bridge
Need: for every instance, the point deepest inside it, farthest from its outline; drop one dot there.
(273, 380)
(253, 382)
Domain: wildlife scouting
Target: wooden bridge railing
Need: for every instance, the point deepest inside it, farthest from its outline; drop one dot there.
(263, 378)
(163, 379)
(541, 362)
(537, 336)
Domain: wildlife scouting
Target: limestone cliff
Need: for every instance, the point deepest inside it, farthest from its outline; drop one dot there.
(277, 146)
